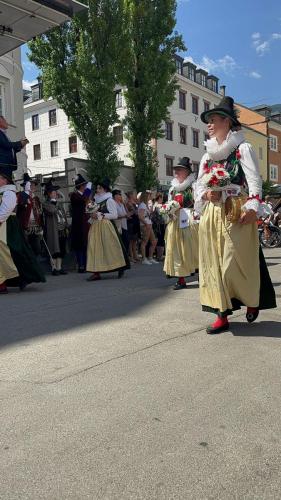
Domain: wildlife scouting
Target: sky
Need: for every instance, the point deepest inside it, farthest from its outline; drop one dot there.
(238, 41)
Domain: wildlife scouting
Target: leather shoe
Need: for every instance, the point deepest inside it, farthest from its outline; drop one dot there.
(178, 286)
(252, 316)
(94, 277)
(211, 330)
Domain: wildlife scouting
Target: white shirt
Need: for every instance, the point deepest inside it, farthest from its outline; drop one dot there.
(121, 222)
(9, 201)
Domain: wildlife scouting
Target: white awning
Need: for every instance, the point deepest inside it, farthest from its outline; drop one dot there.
(21, 20)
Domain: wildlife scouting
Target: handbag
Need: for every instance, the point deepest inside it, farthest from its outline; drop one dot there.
(233, 207)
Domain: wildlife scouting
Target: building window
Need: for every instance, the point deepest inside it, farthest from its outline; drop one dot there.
(72, 141)
(2, 111)
(182, 100)
(260, 153)
(169, 166)
(118, 99)
(118, 134)
(206, 136)
(195, 168)
(179, 67)
(206, 106)
(182, 134)
(273, 174)
(203, 80)
(37, 152)
(194, 105)
(195, 138)
(191, 74)
(35, 122)
(54, 148)
(52, 117)
(273, 143)
(169, 131)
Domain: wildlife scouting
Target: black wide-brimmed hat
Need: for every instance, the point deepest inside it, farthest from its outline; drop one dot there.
(27, 178)
(79, 180)
(183, 163)
(49, 187)
(6, 172)
(105, 184)
(224, 108)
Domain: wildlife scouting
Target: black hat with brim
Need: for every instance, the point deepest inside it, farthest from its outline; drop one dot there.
(7, 172)
(105, 184)
(49, 187)
(224, 108)
(79, 181)
(184, 163)
(27, 178)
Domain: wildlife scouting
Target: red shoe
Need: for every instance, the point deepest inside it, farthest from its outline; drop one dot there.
(3, 289)
(219, 326)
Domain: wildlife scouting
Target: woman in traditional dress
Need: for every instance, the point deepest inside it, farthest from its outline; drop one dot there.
(18, 264)
(181, 257)
(233, 271)
(106, 252)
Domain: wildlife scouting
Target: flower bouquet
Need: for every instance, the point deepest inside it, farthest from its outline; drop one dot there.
(91, 208)
(169, 209)
(215, 177)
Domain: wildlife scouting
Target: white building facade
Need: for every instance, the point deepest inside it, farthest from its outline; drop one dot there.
(52, 141)
(11, 106)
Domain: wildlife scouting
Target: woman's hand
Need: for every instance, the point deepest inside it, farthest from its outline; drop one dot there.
(248, 217)
(95, 215)
(212, 196)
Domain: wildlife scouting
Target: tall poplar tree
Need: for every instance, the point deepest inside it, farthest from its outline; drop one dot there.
(148, 74)
(78, 61)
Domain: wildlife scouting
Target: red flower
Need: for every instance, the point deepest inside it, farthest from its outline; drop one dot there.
(220, 173)
(214, 181)
(179, 199)
(238, 155)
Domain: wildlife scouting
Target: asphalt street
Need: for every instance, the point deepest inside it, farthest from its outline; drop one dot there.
(112, 390)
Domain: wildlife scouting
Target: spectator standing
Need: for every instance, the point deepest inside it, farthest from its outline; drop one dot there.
(55, 228)
(29, 213)
(147, 234)
(80, 225)
(133, 225)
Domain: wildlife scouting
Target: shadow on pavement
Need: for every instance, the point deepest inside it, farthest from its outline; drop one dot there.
(271, 329)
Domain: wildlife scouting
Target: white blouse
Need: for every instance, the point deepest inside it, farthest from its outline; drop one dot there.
(9, 201)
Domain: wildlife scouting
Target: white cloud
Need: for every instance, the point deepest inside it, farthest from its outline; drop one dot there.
(261, 46)
(226, 64)
(26, 84)
(256, 36)
(255, 74)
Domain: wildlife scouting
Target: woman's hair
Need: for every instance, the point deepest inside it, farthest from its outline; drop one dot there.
(144, 196)
(129, 194)
(158, 196)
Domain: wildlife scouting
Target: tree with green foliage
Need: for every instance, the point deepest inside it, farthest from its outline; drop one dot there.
(78, 61)
(148, 75)
(268, 189)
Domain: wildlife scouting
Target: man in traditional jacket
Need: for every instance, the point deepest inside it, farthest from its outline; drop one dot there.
(29, 213)
(80, 226)
(8, 149)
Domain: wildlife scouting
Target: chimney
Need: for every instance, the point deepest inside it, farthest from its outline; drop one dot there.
(222, 90)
